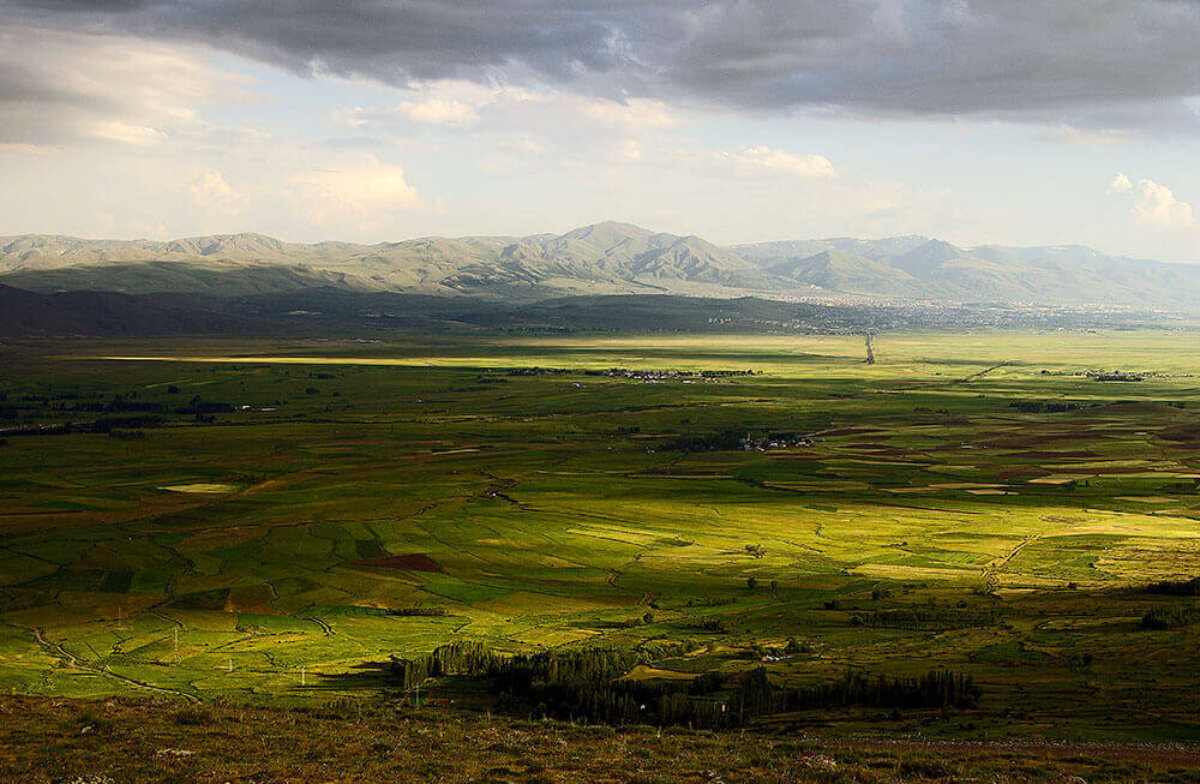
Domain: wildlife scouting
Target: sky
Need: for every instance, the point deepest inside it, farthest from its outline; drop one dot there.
(1014, 122)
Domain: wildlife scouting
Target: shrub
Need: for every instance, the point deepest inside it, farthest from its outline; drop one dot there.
(192, 717)
(1167, 617)
(1176, 587)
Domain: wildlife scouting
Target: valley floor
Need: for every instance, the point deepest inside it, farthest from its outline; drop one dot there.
(267, 523)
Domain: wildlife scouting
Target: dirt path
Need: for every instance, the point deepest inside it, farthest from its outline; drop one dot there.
(980, 374)
(995, 566)
(326, 628)
(73, 662)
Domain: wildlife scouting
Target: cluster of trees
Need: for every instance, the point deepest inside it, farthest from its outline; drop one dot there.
(458, 658)
(1176, 587)
(929, 619)
(541, 371)
(711, 601)
(754, 695)
(1170, 617)
(1040, 407)
(642, 620)
(110, 424)
(713, 701)
(587, 684)
(123, 404)
(591, 684)
(522, 674)
(934, 689)
(420, 612)
(718, 625)
(145, 415)
(199, 407)
(119, 405)
(704, 442)
(142, 414)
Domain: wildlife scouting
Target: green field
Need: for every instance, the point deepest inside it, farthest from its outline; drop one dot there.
(251, 520)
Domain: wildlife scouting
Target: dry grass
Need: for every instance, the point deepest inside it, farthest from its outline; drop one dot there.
(45, 741)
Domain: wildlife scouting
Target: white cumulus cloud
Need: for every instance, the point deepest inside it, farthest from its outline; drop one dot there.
(631, 150)
(360, 193)
(762, 158)
(210, 191)
(438, 111)
(634, 114)
(1154, 204)
(1157, 204)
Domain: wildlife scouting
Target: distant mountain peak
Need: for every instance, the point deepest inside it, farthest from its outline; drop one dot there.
(214, 244)
(939, 249)
(607, 231)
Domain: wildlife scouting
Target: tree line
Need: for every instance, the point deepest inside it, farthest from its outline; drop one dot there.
(592, 684)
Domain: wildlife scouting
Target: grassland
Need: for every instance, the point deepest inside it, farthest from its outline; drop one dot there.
(125, 740)
(255, 521)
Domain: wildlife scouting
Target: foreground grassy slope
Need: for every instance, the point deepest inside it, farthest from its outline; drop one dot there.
(123, 740)
(971, 502)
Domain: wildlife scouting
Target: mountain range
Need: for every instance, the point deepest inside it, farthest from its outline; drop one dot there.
(601, 259)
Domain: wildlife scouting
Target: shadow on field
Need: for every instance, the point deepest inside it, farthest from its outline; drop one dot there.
(369, 675)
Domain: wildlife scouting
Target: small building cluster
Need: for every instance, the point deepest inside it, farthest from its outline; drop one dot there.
(1115, 375)
(645, 376)
(774, 441)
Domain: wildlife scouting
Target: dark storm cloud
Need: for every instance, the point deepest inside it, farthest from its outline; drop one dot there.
(1026, 59)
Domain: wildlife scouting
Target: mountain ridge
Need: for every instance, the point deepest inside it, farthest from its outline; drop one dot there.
(602, 258)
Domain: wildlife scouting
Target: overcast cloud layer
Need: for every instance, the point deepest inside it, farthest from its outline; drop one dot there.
(1110, 63)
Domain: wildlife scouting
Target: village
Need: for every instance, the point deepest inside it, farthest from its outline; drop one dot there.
(645, 376)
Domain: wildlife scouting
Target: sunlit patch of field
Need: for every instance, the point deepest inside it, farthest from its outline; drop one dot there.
(645, 673)
(904, 572)
(1059, 479)
(201, 487)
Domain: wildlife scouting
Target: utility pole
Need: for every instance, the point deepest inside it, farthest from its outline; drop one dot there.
(870, 348)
